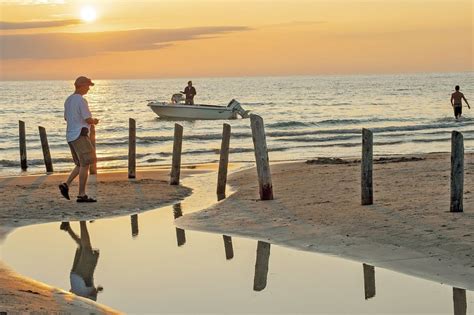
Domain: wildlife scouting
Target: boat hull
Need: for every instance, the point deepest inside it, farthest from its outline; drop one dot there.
(192, 112)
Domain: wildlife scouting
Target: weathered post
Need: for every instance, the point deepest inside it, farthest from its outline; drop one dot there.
(460, 303)
(457, 172)
(176, 162)
(261, 157)
(93, 167)
(369, 281)
(132, 144)
(22, 137)
(229, 249)
(367, 197)
(261, 266)
(134, 223)
(45, 147)
(223, 162)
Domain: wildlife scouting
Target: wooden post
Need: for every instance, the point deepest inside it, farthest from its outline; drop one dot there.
(367, 197)
(134, 223)
(460, 303)
(261, 266)
(229, 249)
(132, 144)
(176, 163)
(22, 136)
(261, 158)
(93, 166)
(45, 147)
(369, 281)
(180, 234)
(223, 162)
(457, 172)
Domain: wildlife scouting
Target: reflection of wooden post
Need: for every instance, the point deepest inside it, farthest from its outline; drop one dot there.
(134, 222)
(45, 147)
(261, 266)
(229, 249)
(176, 164)
(180, 234)
(369, 281)
(223, 161)
(457, 171)
(22, 136)
(261, 157)
(367, 197)
(460, 303)
(93, 167)
(132, 144)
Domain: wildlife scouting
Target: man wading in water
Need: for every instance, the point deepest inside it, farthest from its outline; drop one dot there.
(456, 102)
(79, 119)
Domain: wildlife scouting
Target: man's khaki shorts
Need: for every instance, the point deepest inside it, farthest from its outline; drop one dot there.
(82, 151)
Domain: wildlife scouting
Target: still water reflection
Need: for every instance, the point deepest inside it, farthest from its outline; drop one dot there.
(147, 265)
(85, 262)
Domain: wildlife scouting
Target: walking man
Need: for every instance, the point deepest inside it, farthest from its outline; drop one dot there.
(189, 91)
(456, 102)
(79, 119)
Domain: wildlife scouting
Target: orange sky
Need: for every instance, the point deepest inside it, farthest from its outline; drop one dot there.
(43, 39)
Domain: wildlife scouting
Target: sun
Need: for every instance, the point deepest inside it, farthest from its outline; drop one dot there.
(88, 14)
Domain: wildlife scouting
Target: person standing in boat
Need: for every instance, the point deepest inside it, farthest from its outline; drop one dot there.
(456, 102)
(189, 91)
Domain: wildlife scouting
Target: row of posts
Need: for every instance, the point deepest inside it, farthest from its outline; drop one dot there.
(262, 161)
(457, 170)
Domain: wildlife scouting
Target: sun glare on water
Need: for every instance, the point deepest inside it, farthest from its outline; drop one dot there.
(88, 14)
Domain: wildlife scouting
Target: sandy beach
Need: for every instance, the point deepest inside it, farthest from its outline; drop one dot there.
(36, 199)
(317, 208)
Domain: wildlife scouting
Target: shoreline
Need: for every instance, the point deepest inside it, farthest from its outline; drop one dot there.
(317, 208)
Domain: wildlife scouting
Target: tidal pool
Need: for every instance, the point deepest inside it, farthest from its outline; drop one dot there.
(146, 265)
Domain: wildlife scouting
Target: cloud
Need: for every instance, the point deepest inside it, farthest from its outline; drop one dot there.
(31, 2)
(295, 24)
(73, 45)
(37, 24)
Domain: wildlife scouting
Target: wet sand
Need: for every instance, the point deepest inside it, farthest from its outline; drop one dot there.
(317, 208)
(30, 200)
(20, 295)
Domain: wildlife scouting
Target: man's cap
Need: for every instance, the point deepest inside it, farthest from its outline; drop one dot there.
(81, 81)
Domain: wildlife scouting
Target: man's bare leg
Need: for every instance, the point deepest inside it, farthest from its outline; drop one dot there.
(83, 176)
(73, 175)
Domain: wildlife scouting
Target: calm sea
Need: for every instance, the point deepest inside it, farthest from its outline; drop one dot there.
(305, 117)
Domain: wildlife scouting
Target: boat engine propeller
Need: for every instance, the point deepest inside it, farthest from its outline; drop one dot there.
(235, 106)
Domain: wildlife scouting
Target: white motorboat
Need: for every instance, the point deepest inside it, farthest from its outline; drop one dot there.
(198, 111)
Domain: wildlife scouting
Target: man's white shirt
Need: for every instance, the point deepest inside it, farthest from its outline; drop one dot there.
(76, 111)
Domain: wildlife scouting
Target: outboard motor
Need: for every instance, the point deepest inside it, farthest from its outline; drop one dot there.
(235, 106)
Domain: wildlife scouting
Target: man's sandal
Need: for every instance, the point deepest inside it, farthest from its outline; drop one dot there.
(85, 198)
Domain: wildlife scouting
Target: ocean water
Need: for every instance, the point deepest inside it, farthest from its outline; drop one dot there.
(304, 116)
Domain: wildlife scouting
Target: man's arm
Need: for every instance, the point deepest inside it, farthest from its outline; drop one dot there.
(465, 100)
(452, 98)
(92, 121)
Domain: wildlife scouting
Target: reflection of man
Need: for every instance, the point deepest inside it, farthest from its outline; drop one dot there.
(85, 261)
(189, 91)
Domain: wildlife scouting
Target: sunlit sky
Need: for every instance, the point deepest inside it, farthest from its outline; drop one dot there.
(193, 38)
